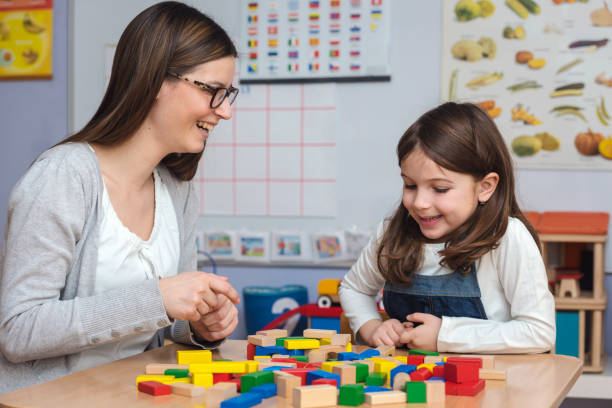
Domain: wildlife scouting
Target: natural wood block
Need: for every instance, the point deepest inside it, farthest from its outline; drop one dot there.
(316, 356)
(319, 333)
(486, 374)
(340, 340)
(488, 361)
(218, 393)
(433, 359)
(160, 369)
(386, 397)
(314, 396)
(274, 333)
(386, 351)
(285, 384)
(399, 381)
(346, 372)
(267, 364)
(187, 390)
(435, 391)
(261, 340)
(369, 363)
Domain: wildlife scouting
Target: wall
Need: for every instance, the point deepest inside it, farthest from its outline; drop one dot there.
(33, 113)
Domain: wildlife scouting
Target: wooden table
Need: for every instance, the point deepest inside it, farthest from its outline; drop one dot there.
(532, 381)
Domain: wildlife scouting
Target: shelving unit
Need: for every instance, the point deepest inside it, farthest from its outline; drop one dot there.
(589, 307)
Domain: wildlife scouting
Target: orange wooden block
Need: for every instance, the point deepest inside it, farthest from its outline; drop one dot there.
(533, 217)
(587, 223)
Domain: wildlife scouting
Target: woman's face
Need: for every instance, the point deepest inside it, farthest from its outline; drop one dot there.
(182, 117)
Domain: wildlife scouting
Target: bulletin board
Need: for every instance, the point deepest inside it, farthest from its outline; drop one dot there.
(315, 41)
(543, 72)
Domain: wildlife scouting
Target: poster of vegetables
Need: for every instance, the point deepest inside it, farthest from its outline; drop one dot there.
(542, 69)
(26, 38)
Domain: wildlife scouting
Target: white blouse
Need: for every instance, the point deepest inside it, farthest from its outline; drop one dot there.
(125, 259)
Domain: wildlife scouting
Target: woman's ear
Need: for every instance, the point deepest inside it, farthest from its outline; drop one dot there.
(487, 186)
(165, 88)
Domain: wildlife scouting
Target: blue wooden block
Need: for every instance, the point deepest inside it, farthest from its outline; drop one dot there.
(266, 390)
(295, 352)
(246, 399)
(402, 368)
(268, 351)
(568, 331)
(325, 323)
(274, 368)
(436, 379)
(376, 388)
(348, 356)
(316, 374)
(368, 354)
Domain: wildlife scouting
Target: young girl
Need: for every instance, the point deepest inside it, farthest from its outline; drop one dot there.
(459, 262)
(99, 261)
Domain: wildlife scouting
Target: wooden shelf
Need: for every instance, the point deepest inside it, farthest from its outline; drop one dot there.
(585, 301)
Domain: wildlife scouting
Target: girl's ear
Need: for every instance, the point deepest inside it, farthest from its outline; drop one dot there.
(165, 88)
(487, 186)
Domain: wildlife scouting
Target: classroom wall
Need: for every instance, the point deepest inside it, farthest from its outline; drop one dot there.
(33, 116)
(33, 113)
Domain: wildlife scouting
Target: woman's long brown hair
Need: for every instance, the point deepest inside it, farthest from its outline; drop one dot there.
(166, 37)
(462, 138)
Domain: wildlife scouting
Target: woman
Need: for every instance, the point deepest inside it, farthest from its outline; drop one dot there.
(99, 261)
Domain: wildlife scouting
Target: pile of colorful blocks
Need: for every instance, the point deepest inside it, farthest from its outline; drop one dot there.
(318, 370)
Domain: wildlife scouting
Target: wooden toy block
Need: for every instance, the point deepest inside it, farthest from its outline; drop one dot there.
(389, 397)
(259, 359)
(220, 377)
(470, 388)
(368, 362)
(319, 333)
(438, 371)
(281, 356)
(286, 383)
(219, 393)
(433, 359)
(435, 391)
(402, 368)
(244, 400)
(349, 347)
(235, 381)
(187, 390)
(329, 365)
(251, 380)
(292, 344)
(317, 374)
(260, 340)
(348, 356)
(300, 372)
(487, 361)
(314, 396)
(325, 341)
(386, 350)
(251, 348)
(451, 388)
(276, 364)
(399, 381)
(340, 340)
(159, 369)
(430, 367)
(369, 353)
(401, 359)
(164, 379)
(485, 374)
(184, 380)
(266, 390)
(193, 356)
(220, 367)
(274, 333)
(351, 395)
(346, 372)
(251, 366)
(460, 373)
(316, 356)
(383, 365)
(416, 391)
(376, 378)
(465, 360)
(419, 352)
(320, 381)
(154, 388)
(361, 371)
(421, 374)
(177, 373)
(202, 379)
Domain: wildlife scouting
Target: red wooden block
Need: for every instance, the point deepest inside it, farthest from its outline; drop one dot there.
(154, 388)
(415, 360)
(250, 351)
(438, 371)
(221, 377)
(451, 388)
(329, 381)
(465, 360)
(421, 374)
(308, 365)
(283, 360)
(470, 388)
(300, 372)
(460, 373)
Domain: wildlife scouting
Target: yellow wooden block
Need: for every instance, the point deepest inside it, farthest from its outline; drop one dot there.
(430, 367)
(202, 379)
(325, 342)
(300, 344)
(383, 366)
(251, 366)
(401, 359)
(233, 367)
(164, 379)
(261, 358)
(329, 365)
(349, 347)
(193, 356)
(184, 380)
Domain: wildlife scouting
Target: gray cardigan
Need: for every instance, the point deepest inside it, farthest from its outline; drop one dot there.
(48, 312)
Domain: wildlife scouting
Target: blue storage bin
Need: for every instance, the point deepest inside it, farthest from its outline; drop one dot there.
(262, 304)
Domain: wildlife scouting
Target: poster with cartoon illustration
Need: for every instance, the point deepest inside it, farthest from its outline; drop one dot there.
(220, 244)
(253, 246)
(329, 247)
(542, 69)
(26, 39)
(289, 246)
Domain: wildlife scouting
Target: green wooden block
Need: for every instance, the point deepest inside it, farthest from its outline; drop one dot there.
(351, 395)
(376, 378)
(361, 372)
(418, 352)
(303, 359)
(177, 373)
(416, 391)
(248, 381)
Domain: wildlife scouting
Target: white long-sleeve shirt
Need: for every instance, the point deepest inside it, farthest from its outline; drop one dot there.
(514, 292)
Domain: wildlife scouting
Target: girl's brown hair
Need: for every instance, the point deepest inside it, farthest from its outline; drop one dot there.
(166, 37)
(462, 138)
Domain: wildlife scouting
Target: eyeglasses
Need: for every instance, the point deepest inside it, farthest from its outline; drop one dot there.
(218, 94)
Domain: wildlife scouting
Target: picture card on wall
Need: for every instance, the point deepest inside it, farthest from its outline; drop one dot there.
(253, 246)
(220, 244)
(329, 247)
(289, 246)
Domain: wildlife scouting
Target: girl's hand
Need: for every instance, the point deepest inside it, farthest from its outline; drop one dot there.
(191, 295)
(218, 323)
(377, 333)
(425, 336)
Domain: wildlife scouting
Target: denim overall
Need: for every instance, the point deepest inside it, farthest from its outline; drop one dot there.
(453, 295)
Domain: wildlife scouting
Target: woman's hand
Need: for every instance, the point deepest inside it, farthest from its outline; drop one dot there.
(424, 336)
(377, 333)
(192, 295)
(219, 323)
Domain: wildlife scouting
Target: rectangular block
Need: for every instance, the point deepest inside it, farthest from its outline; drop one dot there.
(274, 333)
(261, 340)
(202, 379)
(164, 379)
(485, 374)
(435, 391)
(193, 356)
(244, 400)
(346, 372)
(319, 333)
(568, 331)
(340, 340)
(286, 383)
(387, 397)
(159, 369)
(219, 393)
(293, 344)
(154, 388)
(187, 390)
(314, 396)
(220, 367)
(488, 361)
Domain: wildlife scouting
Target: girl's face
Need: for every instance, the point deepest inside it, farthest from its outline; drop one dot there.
(438, 199)
(182, 117)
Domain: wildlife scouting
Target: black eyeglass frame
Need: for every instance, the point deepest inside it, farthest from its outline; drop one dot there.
(231, 93)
